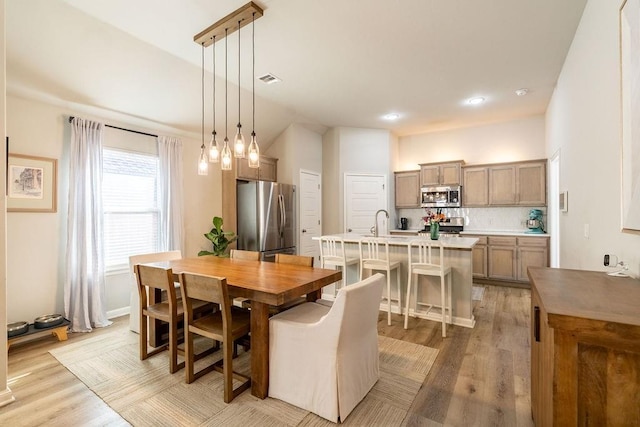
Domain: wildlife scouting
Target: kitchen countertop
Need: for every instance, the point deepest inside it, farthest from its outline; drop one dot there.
(448, 242)
(515, 233)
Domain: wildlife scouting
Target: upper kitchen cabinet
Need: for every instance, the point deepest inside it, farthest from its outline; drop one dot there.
(268, 170)
(407, 189)
(440, 173)
(475, 186)
(522, 184)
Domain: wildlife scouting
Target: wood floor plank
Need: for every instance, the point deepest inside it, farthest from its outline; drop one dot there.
(480, 377)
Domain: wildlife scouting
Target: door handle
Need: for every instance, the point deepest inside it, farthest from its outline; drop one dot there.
(536, 323)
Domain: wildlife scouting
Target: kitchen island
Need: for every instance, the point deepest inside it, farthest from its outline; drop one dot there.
(457, 253)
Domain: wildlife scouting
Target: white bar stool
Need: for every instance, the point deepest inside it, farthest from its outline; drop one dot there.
(372, 258)
(427, 266)
(332, 254)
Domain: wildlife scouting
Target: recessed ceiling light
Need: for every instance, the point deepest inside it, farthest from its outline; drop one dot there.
(475, 101)
(522, 92)
(391, 116)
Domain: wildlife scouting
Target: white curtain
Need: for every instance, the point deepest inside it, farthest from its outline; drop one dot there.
(170, 193)
(84, 286)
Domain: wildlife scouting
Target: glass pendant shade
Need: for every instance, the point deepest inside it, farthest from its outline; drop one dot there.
(214, 151)
(225, 162)
(238, 144)
(203, 162)
(254, 152)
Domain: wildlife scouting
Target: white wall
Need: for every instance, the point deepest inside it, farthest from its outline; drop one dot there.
(36, 241)
(353, 150)
(496, 143)
(583, 122)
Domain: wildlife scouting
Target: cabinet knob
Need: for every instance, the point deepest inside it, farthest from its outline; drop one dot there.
(304, 231)
(349, 230)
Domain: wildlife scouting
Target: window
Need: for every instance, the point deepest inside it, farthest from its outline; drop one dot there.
(130, 204)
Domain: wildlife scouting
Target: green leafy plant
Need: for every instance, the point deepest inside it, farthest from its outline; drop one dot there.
(220, 239)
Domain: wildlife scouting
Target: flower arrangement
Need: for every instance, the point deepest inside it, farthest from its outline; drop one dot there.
(432, 217)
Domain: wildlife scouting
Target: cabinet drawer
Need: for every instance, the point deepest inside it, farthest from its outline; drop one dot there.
(533, 241)
(502, 241)
(482, 240)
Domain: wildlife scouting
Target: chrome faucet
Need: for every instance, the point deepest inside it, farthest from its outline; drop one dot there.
(375, 226)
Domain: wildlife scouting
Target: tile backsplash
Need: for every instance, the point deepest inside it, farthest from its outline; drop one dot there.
(481, 219)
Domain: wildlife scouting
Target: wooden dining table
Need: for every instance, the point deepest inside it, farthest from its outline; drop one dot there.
(264, 284)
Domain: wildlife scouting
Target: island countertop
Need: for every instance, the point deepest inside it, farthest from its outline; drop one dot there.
(448, 242)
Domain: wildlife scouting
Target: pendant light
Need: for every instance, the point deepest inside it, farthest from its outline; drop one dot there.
(214, 151)
(254, 150)
(203, 161)
(226, 152)
(238, 145)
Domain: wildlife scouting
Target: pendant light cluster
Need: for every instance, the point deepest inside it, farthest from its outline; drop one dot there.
(233, 21)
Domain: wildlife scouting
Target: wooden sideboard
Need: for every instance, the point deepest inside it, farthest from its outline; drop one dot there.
(585, 348)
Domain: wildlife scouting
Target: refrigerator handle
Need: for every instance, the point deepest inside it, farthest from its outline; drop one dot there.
(283, 214)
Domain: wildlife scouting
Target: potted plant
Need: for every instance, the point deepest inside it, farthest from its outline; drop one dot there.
(220, 239)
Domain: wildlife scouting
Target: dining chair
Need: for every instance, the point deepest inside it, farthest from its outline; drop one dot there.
(225, 325)
(167, 310)
(428, 264)
(374, 256)
(134, 306)
(333, 255)
(248, 256)
(325, 359)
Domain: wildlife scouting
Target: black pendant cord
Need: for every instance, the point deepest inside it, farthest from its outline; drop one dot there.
(213, 42)
(226, 88)
(202, 96)
(253, 71)
(239, 125)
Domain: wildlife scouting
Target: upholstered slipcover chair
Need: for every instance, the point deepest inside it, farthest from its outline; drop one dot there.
(325, 359)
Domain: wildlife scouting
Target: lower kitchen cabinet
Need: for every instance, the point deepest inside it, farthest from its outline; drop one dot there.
(502, 258)
(507, 258)
(585, 348)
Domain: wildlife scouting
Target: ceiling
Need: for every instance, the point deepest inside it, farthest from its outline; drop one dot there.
(342, 63)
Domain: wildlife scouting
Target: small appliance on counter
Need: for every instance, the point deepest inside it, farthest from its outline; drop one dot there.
(404, 224)
(534, 223)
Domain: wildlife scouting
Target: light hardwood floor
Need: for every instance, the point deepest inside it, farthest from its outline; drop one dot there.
(481, 376)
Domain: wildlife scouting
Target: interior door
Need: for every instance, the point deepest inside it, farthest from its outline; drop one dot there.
(310, 214)
(364, 196)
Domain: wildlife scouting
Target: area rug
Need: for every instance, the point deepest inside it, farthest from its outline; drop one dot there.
(477, 292)
(145, 394)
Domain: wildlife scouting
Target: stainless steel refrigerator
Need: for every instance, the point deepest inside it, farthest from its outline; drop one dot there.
(266, 218)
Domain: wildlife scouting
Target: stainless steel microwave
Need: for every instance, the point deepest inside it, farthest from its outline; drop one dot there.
(441, 197)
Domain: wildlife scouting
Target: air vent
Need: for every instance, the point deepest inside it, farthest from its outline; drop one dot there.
(269, 79)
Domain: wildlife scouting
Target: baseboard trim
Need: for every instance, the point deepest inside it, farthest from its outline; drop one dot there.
(119, 312)
(6, 397)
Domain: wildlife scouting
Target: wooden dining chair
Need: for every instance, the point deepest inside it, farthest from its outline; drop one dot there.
(246, 255)
(169, 310)
(225, 325)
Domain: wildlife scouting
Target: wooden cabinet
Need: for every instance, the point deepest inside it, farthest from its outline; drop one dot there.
(479, 257)
(407, 189)
(475, 186)
(585, 348)
(532, 252)
(522, 184)
(440, 173)
(501, 258)
(505, 184)
(507, 258)
(268, 170)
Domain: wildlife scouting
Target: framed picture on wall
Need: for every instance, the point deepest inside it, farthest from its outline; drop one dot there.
(32, 183)
(630, 112)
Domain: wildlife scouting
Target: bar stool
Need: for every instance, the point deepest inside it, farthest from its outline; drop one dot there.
(426, 265)
(332, 254)
(372, 258)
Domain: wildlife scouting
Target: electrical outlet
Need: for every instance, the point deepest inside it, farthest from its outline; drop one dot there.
(606, 260)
